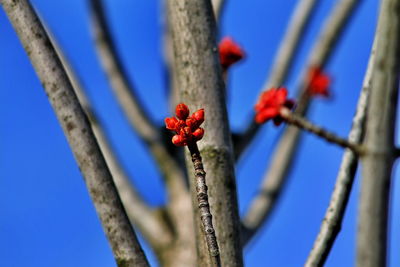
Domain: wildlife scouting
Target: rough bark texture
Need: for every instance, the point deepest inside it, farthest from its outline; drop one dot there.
(332, 222)
(201, 85)
(283, 61)
(276, 176)
(126, 249)
(378, 161)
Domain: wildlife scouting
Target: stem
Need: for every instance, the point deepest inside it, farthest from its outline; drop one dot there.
(121, 236)
(204, 206)
(304, 124)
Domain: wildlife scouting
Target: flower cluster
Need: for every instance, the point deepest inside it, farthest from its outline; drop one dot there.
(187, 128)
(229, 52)
(318, 82)
(270, 104)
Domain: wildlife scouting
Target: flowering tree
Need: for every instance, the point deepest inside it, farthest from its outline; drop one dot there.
(200, 225)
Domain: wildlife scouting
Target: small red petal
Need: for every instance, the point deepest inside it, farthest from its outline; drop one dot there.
(182, 111)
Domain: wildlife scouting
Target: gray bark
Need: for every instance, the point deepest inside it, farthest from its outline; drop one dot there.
(378, 160)
(123, 241)
(199, 77)
(332, 222)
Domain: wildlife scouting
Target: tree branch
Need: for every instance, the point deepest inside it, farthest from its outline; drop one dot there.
(201, 84)
(275, 178)
(179, 205)
(140, 214)
(126, 97)
(123, 241)
(282, 63)
(306, 125)
(379, 141)
(334, 214)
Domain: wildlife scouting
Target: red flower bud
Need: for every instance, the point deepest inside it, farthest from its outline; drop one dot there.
(199, 116)
(186, 128)
(318, 82)
(178, 140)
(171, 123)
(198, 134)
(270, 104)
(229, 52)
(182, 111)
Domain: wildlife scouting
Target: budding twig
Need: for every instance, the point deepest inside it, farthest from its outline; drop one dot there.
(204, 206)
(304, 124)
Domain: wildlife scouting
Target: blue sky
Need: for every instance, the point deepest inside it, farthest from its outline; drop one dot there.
(47, 217)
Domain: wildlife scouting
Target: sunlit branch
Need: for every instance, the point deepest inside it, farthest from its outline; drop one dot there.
(126, 249)
(377, 162)
(334, 214)
(201, 86)
(173, 174)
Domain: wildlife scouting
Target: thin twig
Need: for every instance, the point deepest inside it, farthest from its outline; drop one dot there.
(140, 214)
(275, 177)
(283, 62)
(126, 249)
(378, 160)
(334, 214)
(204, 206)
(304, 124)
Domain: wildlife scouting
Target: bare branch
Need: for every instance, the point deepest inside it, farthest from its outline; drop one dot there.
(283, 61)
(174, 176)
(139, 213)
(126, 249)
(379, 140)
(201, 85)
(332, 222)
(304, 124)
(125, 94)
(275, 178)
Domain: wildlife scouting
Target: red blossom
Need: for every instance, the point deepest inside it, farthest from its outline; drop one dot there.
(229, 52)
(319, 82)
(187, 128)
(270, 104)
